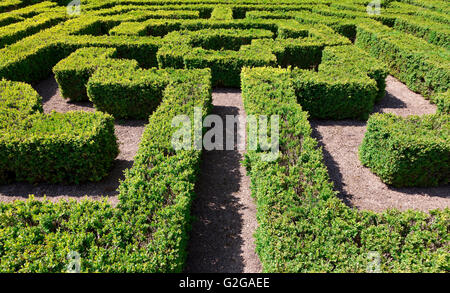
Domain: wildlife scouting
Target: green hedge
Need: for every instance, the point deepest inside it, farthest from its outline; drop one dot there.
(197, 49)
(413, 151)
(222, 13)
(12, 33)
(423, 67)
(347, 84)
(18, 101)
(73, 73)
(351, 59)
(70, 147)
(126, 91)
(302, 225)
(148, 230)
(442, 101)
(433, 32)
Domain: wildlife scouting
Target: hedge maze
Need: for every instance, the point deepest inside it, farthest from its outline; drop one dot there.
(156, 59)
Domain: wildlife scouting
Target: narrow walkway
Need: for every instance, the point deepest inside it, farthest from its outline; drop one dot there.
(224, 211)
(357, 185)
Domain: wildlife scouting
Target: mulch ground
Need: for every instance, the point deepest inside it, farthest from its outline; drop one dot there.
(357, 185)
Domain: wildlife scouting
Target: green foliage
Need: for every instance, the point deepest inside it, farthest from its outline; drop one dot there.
(222, 13)
(126, 91)
(302, 225)
(413, 151)
(442, 101)
(422, 66)
(73, 73)
(148, 230)
(433, 32)
(12, 33)
(36, 147)
(17, 101)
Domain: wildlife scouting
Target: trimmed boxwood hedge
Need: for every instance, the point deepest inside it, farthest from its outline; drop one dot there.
(422, 66)
(413, 151)
(55, 148)
(347, 84)
(146, 232)
(73, 72)
(302, 225)
(126, 91)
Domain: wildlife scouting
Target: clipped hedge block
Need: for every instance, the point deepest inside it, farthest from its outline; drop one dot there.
(72, 73)
(56, 148)
(17, 101)
(413, 151)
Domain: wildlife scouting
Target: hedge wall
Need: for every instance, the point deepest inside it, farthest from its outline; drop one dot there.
(148, 230)
(55, 148)
(413, 151)
(422, 66)
(303, 226)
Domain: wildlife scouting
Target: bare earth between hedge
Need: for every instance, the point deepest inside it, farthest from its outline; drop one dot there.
(128, 134)
(224, 211)
(357, 185)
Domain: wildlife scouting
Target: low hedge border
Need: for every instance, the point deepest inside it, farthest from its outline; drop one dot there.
(403, 152)
(72, 73)
(55, 148)
(423, 67)
(148, 230)
(302, 225)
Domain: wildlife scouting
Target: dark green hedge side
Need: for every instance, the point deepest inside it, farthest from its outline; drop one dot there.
(302, 225)
(413, 151)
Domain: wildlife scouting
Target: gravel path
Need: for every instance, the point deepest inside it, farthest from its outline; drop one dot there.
(357, 185)
(128, 132)
(225, 213)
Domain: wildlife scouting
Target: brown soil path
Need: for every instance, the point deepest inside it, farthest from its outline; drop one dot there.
(128, 132)
(357, 185)
(225, 213)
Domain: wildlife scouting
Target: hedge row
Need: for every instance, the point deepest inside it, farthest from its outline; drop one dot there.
(302, 225)
(413, 151)
(148, 230)
(72, 73)
(155, 27)
(407, 9)
(17, 31)
(352, 60)
(423, 67)
(70, 147)
(126, 91)
(198, 49)
(8, 5)
(222, 13)
(345, 27)
(442, 101)
(433, 32)
(32, 58)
